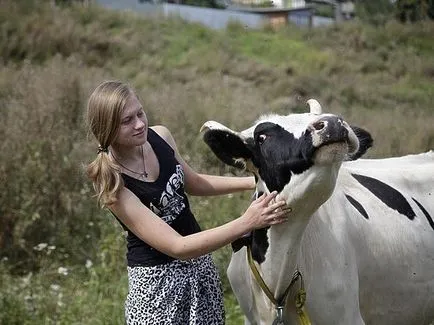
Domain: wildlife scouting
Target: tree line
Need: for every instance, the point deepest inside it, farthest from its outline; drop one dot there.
(406, 11)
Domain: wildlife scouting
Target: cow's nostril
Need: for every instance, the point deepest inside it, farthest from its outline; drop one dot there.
(318, 125)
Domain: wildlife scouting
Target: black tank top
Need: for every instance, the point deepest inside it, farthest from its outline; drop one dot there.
(166, 198)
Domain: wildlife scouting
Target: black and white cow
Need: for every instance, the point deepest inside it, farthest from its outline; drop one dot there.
(361, 232)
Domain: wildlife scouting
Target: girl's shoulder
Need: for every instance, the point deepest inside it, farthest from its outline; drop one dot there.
(161, 130)
(165, 134)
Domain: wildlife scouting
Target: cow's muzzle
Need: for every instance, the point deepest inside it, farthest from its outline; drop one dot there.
(328, 130)
(333, 129)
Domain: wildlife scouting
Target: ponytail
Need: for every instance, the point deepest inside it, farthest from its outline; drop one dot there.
(104, 109)
(106, 178)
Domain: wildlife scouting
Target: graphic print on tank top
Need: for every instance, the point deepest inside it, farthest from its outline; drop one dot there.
(171, 202)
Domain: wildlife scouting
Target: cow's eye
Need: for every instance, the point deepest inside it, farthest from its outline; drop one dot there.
(262, 138)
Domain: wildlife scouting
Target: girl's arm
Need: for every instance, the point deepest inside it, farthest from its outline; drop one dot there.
(155, 232)
(203, 184)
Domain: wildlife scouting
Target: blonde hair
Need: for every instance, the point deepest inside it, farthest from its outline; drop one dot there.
(104, 110)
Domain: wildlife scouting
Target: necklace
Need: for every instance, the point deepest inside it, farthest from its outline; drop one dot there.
(143, 174)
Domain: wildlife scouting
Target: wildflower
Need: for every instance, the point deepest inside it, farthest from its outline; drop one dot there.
(59, 300)
(62, 270)
(88, 264)
(55, 287)
(26, 279)
(40, 247)
(50, 249)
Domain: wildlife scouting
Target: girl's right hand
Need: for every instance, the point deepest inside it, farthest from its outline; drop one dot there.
(264, 211)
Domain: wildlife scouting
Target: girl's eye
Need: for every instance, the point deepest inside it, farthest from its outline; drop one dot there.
(262, 138)
(126, 121)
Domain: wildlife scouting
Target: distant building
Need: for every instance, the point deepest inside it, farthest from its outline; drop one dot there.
(248, 16)
(292, 4)
(278, 17)
(342, 8)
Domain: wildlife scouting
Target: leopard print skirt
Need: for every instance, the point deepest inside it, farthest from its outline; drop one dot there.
(177, 293)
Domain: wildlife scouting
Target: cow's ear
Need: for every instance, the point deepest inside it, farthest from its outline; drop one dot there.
(228, 147)
(365, 142)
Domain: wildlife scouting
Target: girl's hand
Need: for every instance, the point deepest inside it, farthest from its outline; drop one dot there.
(264, 211)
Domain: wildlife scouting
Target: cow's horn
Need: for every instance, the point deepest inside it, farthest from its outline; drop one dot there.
(315, 107)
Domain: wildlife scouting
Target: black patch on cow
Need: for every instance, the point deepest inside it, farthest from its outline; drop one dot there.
(427, 215)
(358, 206)
(237, 244)
(257, 240)
(277, 154)
(259, 244)
(365, 142)
(387, 194)
(227, 147)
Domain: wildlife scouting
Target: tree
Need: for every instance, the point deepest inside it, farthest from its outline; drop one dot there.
(414, 10)
(375, 11)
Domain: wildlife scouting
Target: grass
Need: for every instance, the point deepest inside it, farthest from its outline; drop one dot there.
(51, 58)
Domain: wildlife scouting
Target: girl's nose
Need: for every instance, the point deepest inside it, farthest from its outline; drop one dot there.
(139, 123)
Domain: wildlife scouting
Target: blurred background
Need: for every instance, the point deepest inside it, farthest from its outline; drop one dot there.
(62, 259)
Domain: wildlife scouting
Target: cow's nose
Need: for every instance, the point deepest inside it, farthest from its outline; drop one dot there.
(318, 125)
(332, 127)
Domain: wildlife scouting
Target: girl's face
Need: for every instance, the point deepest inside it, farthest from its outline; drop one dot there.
(134, 124)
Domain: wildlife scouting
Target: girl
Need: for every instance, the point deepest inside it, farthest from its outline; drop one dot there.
(140, 176)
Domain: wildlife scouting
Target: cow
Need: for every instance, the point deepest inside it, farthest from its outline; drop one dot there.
(358, 246)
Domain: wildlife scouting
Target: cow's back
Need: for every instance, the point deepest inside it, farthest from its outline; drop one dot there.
(383, 258)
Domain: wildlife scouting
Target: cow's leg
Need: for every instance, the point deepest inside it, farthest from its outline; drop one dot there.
(238, 273)
(331, 275)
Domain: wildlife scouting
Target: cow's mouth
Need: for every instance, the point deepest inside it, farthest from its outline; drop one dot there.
(331, 152)
(336, 142)
(344, 139)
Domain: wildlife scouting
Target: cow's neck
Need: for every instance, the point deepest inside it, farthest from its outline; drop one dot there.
(285, 239)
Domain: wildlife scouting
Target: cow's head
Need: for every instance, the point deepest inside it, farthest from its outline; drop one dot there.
(294, 154)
